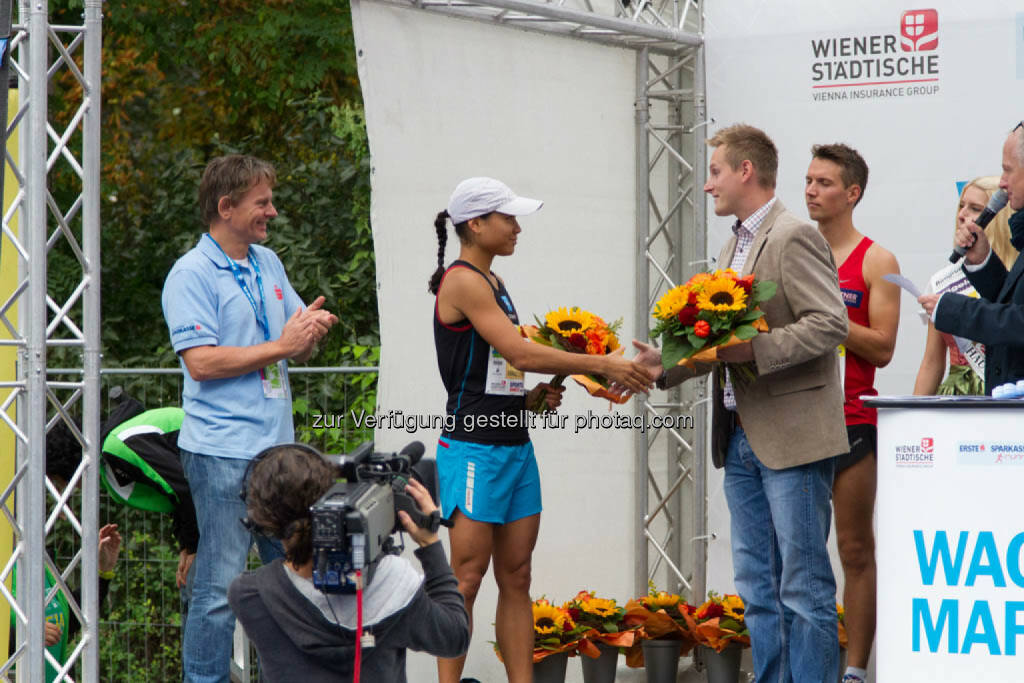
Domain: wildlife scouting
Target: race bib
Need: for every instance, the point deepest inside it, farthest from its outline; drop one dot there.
(273, 380)
(502, 378)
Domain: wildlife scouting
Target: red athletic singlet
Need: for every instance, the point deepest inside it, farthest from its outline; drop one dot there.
(859, 374)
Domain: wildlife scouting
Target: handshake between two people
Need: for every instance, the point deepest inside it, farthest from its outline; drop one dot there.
(648, 357)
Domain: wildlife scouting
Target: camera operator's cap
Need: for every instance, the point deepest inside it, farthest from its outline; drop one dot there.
(478, 196)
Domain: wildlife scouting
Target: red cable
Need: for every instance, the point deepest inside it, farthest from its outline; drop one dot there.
(359, 625)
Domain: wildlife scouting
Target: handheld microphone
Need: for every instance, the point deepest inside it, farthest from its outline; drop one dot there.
(995, 205)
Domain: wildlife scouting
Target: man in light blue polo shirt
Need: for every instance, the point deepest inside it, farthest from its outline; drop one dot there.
(235, 321)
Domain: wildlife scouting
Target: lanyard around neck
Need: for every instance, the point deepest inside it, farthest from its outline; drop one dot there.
(260, 311)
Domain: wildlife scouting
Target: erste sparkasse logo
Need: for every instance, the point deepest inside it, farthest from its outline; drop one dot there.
(919, 30)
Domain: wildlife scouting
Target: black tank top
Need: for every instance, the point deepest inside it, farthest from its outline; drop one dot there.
(463, 357)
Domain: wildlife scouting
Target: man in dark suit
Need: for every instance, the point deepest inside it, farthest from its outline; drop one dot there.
(777, 435)
(996, 319)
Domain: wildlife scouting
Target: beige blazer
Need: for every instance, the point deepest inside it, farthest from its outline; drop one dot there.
(792, 411)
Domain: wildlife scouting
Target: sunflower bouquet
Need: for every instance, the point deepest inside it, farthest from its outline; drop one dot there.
(720, 622)
(602, 621)
(577, 331)
(711, 311)
(659, 615)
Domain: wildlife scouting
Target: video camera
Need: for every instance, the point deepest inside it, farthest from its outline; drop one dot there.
(353, 522)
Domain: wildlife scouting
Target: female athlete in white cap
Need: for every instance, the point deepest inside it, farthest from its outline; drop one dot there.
(488, 475)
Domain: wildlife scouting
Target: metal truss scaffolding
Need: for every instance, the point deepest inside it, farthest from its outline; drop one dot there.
(52, 322)
(670, 493)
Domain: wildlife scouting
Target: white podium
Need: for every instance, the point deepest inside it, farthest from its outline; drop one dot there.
(950, 547)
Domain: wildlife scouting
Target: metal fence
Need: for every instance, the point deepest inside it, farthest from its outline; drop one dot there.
(140, 622)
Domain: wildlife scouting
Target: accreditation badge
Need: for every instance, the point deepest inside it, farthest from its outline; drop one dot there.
(502, 378)
(273, 380)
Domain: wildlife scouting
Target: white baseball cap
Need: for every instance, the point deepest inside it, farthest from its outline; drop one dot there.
(478, 196)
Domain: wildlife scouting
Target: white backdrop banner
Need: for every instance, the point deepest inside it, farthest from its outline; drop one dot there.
(552, 117)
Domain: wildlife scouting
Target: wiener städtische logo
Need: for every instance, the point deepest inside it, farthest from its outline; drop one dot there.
(919, 30)
(916, 454)
(903, 63)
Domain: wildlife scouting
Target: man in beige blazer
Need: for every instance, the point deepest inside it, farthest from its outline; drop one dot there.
(777, 435)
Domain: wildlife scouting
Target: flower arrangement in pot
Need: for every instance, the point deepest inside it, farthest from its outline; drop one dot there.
(555, 638)
(554, 630)
(720, 622)
(602, 620)
(659, 615)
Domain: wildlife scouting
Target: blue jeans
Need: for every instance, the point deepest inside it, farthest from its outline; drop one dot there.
(780, 525)
(223, 549)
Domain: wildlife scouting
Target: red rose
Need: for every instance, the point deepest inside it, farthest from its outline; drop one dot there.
(687, 315)
(691, 299)
(578, 340)
(745, 283)
(710, 611)
(701, 328)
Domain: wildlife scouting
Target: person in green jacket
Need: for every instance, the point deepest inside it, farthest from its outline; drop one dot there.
(140, 467)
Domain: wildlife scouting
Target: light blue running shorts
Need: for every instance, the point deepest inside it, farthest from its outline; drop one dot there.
(488, 482)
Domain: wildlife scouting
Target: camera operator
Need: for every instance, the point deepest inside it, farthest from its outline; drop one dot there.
(302, 634)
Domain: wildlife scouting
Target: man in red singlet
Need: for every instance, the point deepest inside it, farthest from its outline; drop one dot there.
(835, 183)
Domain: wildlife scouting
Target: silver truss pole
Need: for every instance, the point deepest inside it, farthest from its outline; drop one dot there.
(91, 312)
(18, 395)
(643, 218)
(31, 490)
(672, 224)
(35, 40)
(701, 413)
(674, 448)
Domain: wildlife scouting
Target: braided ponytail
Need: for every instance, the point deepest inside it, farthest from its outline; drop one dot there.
(440, 226)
